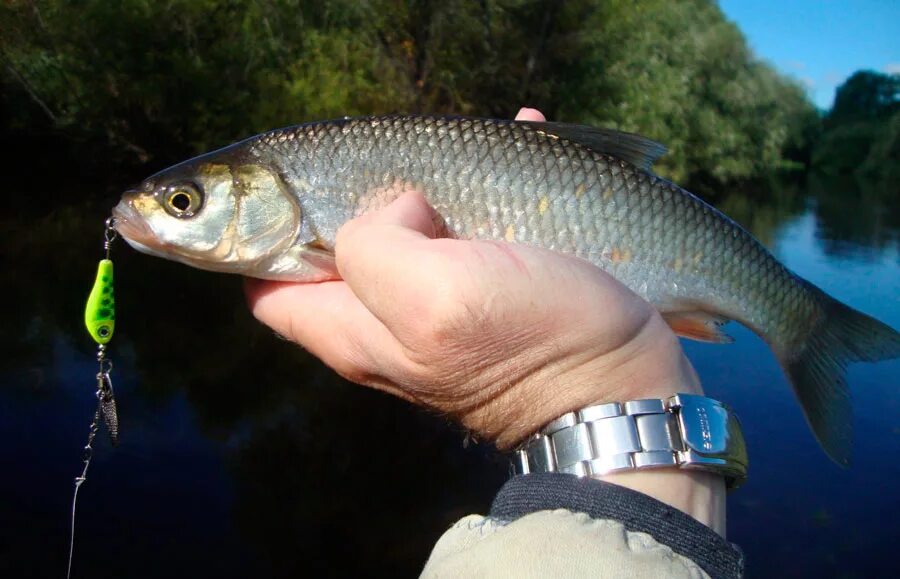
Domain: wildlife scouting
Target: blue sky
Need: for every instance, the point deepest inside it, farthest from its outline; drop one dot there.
(821, 42)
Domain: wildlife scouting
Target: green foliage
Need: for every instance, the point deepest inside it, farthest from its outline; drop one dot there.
(862, 131)
(844, 148)
(682, 74)
(883, 161)
(865, 95)
(160, 80)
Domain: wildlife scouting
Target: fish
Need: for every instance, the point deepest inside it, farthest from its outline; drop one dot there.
(270, 207)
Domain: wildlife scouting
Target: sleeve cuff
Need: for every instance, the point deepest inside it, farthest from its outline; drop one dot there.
(526, 494)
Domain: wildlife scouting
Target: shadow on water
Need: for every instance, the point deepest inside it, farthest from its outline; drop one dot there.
(273, 463)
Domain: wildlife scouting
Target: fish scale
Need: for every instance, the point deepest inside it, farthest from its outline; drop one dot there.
(578, 190)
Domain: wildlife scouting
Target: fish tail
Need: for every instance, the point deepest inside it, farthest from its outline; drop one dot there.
(817, 369)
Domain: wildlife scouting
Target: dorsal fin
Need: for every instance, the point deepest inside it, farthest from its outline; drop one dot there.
(637, 150)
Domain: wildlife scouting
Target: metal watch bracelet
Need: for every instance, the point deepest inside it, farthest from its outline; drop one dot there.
(684, 431)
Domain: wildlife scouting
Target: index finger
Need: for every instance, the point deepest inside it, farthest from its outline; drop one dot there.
(527, 114)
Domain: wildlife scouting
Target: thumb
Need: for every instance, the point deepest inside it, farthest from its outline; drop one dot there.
(391, 260)
(410, 211)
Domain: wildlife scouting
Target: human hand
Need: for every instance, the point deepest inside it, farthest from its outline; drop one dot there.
(503, 337)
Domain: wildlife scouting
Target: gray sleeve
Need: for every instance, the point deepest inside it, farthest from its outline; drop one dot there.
(523, 495)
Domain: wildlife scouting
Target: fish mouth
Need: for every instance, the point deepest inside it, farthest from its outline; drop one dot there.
(133, 228)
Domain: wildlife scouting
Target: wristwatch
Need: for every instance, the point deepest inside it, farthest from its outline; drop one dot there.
(685, 431)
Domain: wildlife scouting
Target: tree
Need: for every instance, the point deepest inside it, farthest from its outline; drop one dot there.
(862, 130)
(153, 82)
(865, 95)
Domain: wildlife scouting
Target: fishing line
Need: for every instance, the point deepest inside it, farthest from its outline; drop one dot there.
(100, 321)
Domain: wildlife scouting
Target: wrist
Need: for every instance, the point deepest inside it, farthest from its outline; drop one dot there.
(698, 494)
(651, 365)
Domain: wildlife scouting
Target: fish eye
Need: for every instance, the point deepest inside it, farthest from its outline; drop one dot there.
(182, 200)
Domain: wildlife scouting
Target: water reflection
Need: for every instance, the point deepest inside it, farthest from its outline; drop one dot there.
(236, 440)
(852, 213)
(763, 207)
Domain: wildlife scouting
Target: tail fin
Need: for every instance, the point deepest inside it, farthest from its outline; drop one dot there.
(817, 373)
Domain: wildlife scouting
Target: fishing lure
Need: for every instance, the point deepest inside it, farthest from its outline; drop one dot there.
(100, 321)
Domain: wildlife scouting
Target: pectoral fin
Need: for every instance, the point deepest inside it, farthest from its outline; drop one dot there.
(698, 325)
(322, 259)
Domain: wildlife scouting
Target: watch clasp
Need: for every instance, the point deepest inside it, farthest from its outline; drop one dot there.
(712, 437)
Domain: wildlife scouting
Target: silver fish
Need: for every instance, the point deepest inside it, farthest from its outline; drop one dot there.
(270, 207)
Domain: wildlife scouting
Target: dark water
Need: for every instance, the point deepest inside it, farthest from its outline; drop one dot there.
(241, 454)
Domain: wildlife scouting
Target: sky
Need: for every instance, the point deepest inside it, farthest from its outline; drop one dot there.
(821, 42)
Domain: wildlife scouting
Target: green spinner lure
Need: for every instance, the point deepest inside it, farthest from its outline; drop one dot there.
(100, 312)
(100, 321)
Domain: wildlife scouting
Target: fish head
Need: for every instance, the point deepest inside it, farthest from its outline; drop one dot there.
(217, 212)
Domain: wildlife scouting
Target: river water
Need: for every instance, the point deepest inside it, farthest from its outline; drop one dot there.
(241, 454)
